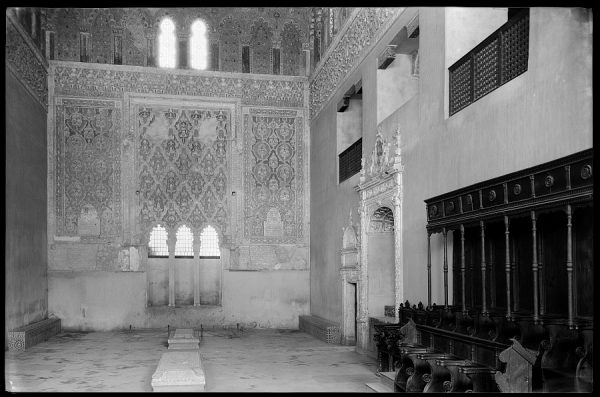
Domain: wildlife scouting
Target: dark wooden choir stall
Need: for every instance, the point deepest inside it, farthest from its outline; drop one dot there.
(522, 289)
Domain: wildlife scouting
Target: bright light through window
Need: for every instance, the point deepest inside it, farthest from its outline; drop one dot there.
(166, 44)
(198, 46)
(183, 245)
(158, 242)
(209, 242)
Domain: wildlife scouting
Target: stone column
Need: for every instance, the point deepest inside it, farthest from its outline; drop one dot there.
(171, 240)
(445, 234)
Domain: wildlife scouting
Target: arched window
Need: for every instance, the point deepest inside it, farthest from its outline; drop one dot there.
(167, 44)
(209, 243)
(198, 46)
(157, 246)
(183, 245)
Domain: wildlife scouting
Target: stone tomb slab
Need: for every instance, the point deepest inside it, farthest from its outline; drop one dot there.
(183, 339)
(179, 371)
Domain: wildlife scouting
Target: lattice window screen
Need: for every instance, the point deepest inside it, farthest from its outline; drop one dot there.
(460, 87)
(515, 47)
(157, 246)
(349, 161)
(486, 69)
(209, 243)
(183, 246)
(501, 57)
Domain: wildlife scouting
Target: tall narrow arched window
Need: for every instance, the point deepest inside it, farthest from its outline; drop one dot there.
(167, 44)
(157, 246)
(198, 46)
(183, 245)
(209, 243)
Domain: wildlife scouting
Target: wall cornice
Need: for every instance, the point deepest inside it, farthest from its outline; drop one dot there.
(112, 81)
(25, 60)
(351, 46)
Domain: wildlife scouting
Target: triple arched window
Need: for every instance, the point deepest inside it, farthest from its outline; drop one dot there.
(209, 243)
(167, 45)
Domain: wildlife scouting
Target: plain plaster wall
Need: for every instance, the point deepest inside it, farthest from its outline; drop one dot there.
(26, 264)
(543, 114)
(100, 300)
(381, 272)
(395, 86)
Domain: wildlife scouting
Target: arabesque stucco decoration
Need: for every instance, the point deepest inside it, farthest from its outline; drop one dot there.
(88, 164)
(367, 27)
(96, 81)
(182, 164)
(25, 61)
(273, 175)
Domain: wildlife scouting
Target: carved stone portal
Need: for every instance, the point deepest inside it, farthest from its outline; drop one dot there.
(380, 186)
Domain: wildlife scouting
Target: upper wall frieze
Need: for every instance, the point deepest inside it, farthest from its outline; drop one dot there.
(84, 80)
(25, 61)
(364, 31)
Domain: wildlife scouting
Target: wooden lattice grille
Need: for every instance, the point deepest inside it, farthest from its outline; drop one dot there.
(499, 58)
(349, 160)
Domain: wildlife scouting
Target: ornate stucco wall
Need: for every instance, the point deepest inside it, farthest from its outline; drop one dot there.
(130, 147)
(135, 30)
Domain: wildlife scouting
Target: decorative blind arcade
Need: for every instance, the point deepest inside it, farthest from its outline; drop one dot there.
(349, 160)
(501, 57)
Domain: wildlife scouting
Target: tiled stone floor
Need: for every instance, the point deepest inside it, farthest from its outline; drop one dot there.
(253, 360)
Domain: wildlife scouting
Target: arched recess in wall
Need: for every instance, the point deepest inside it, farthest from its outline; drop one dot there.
(261, 44)
(291, 50)
(67, 35)
(381, 259)
(167, 44)
(198, 45)
(101, 48)
(229, 40)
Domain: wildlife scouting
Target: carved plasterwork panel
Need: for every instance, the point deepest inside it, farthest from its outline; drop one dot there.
(291, 50)
(87, 81)
(261, 44)
(364, 30)
(87, 161)
(273, 175)
(182, 163)
(22, 60)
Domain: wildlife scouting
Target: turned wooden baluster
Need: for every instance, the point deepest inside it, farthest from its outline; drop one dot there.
(445, 232)
(507, 265)
(428, 269)
(492, 275)
(570, 265)
(483, 293)
(463, 268)
(515, 277)
(534, 268)
(542, 286)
